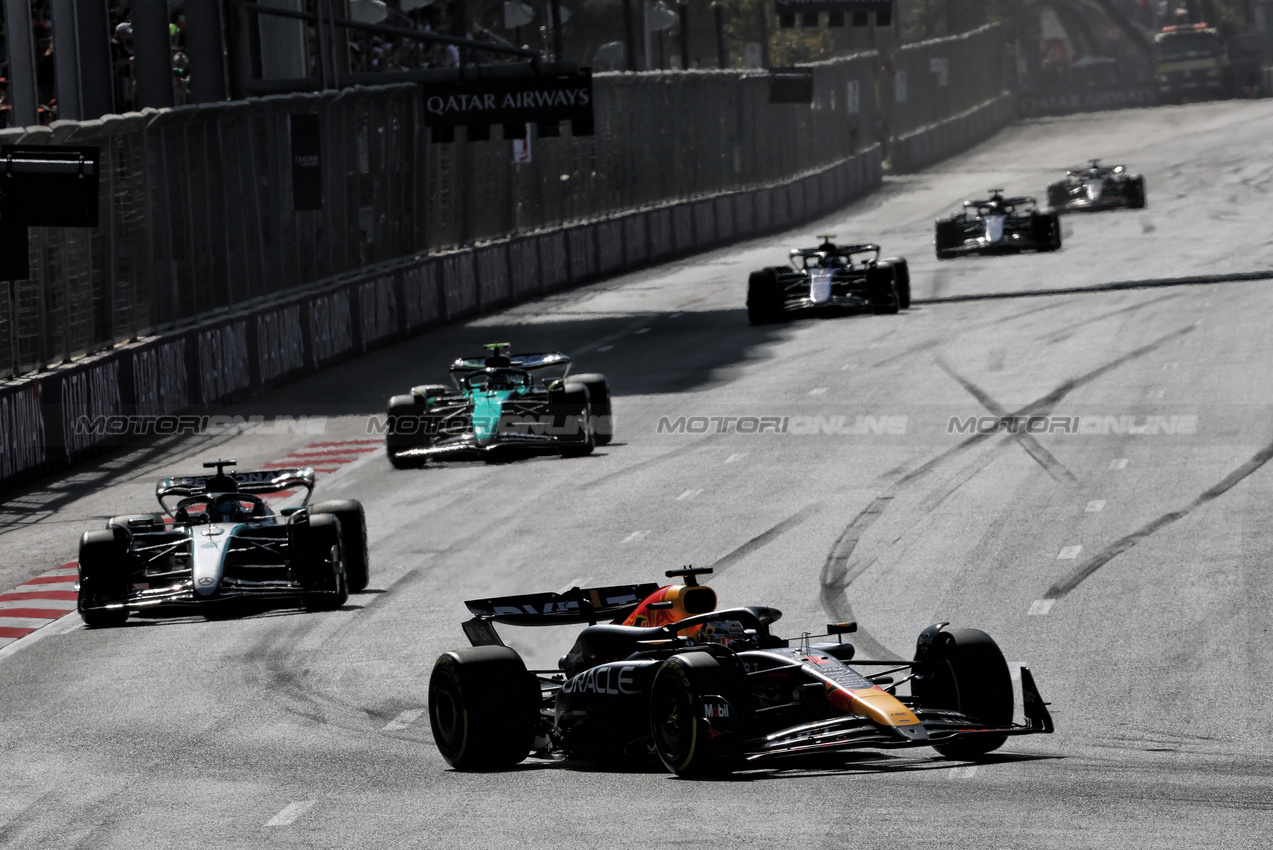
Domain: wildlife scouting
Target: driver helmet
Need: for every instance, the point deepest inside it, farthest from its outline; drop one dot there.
(230, 509)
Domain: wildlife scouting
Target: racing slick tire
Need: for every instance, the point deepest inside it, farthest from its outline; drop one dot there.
(405, 426)
(353, 534)
(483, 707)
(947, 240)
(902, 281)
(687, 688)
(1058, 195)
(104, 568)
(572, 419)
(599, 405)
(1047, 231)
(316, 556)
(881, 288)
(966, 672)
(1136, 193)
(764, 297)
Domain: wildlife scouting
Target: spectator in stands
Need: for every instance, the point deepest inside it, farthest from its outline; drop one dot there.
(122, 66)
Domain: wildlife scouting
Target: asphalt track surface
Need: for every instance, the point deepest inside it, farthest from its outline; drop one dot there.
(1128, 570)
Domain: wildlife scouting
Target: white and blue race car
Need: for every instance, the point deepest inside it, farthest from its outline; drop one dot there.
(998, 225)
(218, 546)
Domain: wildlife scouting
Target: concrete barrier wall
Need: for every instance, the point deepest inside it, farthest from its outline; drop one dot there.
(935, 142)
(176, 383)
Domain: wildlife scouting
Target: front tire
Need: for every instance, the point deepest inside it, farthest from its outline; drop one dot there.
(881, 287)
(317, 561)
(600, 405)
(572, 419)
(1136, 193)
(353, 534)
(965, 671)
(405, 422)
(483, 707)
(699, 706)
(947, 240)
(902, 280)
(104, 570)
(764, 297)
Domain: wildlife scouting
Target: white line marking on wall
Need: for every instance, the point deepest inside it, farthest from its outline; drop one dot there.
(1040, 607)
(403, 720)
(1121, 463)
(735, 457)
(687, 495)
(636, 536)
(1095, 506)
(1069, 553)
(290, 813)
(818, 391)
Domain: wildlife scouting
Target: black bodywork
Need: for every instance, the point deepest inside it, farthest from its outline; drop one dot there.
(1097, 187)
(829, 278)
(775, 698)
(998, 225)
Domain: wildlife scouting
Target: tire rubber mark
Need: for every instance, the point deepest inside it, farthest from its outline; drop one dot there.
(1191, 280)
(764, 538)
(1061, 588)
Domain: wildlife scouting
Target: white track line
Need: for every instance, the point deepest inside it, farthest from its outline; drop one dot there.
(1040, 607)
(1095, 506)
(818, 391)
(1068, 553)
(1120, 463)
(636, 536)
(290, 813)
(687, 495)
(735, 457)
(403, 720)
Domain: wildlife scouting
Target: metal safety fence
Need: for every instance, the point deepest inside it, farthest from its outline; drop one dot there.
(938, 79)
(196, 212)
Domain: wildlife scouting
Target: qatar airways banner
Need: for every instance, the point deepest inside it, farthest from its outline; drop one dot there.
(513, 102)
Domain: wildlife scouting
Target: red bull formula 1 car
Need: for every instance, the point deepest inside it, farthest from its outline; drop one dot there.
(1098, 187)
(219, 547)
(670, 678)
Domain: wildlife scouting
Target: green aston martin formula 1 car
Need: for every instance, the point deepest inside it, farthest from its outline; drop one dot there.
(502, 405)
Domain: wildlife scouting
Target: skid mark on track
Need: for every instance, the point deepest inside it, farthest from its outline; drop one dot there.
(839, 571)
(1149, 283)
(764, 538)
(1090, 566)
(1026, 440)
(1066, 331)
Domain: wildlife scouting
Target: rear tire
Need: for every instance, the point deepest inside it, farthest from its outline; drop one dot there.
(483, 707)
(104, 571)
(764, 297)
(966, 672)
(353, 535)
(1047, 231)
(902, 281)
(600, 406)
(1058, 195)
(687, 688)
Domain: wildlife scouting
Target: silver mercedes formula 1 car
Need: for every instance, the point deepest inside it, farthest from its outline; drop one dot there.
(218, 547)
(998, 225)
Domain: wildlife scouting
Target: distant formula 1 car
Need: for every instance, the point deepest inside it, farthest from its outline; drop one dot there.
(826, 277)
(502, 405)
(709, 691)
(998, 225)
(224, 547)
(1097, 187)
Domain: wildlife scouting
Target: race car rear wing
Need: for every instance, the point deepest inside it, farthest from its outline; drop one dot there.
(256, 483)
(529, 362)
(577, 605)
